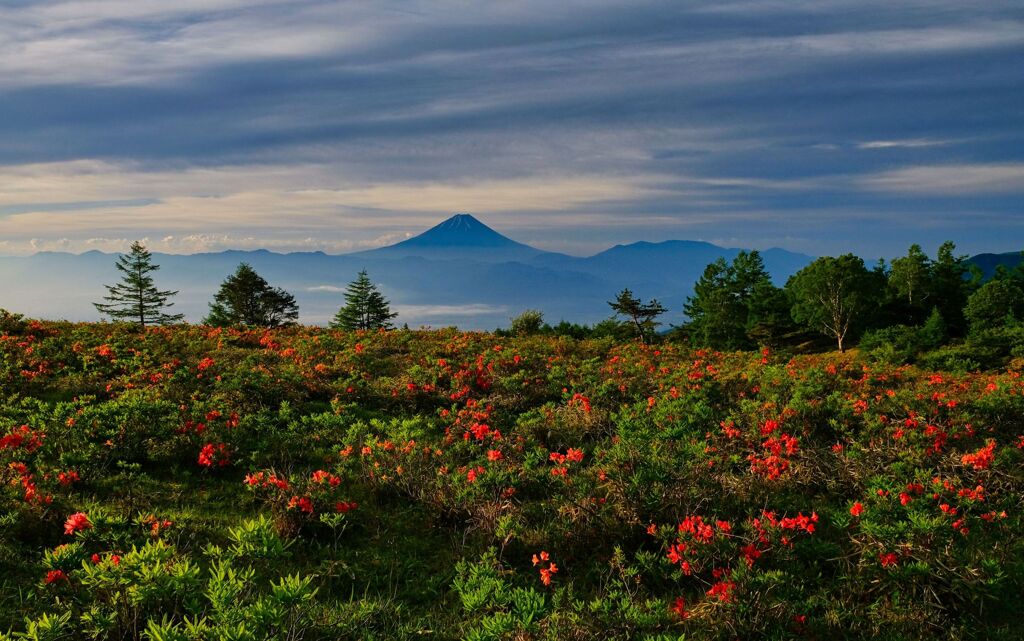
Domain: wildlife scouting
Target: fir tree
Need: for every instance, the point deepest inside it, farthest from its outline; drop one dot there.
(364, 308)
(246, 299)
(136, 299)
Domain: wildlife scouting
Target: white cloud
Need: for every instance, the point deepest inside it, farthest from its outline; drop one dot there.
(908, 143)
(294, 207)
(984, 178)
(472, 309)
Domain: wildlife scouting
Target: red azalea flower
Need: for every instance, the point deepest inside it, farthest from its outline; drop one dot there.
(76, 523)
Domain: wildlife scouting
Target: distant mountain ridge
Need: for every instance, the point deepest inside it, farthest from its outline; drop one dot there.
(459, 272)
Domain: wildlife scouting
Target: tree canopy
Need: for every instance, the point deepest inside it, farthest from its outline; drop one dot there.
(642, 315)
(246, 299)
(736, 306)
(833, 295)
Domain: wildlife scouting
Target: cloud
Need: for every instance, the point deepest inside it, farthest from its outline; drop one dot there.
(911, 143)
(951, 180)
(293, 207)
(335, 125)
(427, 311)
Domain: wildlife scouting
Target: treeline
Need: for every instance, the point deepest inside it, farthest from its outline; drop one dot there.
(245, 299)
(914, 307)
(939, 311)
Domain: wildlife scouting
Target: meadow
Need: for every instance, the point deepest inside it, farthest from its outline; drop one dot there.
(188, 482)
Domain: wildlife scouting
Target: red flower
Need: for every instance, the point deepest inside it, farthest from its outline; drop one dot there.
(857, 509)
(888, 559)
(302, 503)
(679, 608)
(722, 591)
(76, 523)
(982, 459)
(344, 507)
(55, 575)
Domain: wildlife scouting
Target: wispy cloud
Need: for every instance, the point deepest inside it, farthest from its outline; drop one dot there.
(472, 309)
(334, 125)
(951, 180)
(910, 143)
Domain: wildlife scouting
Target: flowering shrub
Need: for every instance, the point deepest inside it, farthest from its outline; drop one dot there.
(198, 483)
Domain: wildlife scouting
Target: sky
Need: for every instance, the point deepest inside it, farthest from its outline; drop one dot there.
(819, 126)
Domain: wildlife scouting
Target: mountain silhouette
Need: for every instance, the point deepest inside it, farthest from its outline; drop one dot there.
(460, 237)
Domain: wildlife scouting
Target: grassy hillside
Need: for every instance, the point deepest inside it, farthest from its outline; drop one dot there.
(192, 483)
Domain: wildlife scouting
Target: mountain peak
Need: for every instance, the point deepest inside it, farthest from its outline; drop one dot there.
(459, 237)
(462, 222)
(461, 230)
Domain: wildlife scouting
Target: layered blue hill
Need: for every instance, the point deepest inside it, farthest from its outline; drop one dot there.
(460, 272)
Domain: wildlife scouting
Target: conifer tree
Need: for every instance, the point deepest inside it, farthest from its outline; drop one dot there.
(136, 299)
(736, 306)
(364, 308)
(642, 315)
(245, 299)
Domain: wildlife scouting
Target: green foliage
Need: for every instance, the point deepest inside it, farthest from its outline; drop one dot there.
(136, 299)
(642, 315)
(996, 303)
(365, 308)
(245, 299)
(736, 306)
(527, 323)
(910, 279)
(834, 296)
(305, 483)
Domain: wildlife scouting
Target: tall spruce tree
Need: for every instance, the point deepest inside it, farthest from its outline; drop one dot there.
(136, 299)
(245, 299)
(364, 308)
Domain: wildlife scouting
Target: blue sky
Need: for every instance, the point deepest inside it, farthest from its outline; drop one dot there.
(820, 126)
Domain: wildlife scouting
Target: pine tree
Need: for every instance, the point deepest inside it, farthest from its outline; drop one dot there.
(136, 299)
(641, 314)
(736, 306)
(246, 299)
(364, 308)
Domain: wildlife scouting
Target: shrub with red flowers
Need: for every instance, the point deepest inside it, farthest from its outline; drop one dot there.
(709, 494)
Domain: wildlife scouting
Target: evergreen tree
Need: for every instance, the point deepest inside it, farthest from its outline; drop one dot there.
(736, 306)
(950, 287)
(933, 333)
(245, 299)
(642, 315)
(136, 299)
(364, 308)
(716, 309)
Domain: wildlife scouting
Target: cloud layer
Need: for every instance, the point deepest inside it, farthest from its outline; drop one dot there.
(312, 124)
